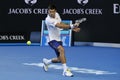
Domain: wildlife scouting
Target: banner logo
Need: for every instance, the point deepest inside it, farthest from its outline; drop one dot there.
(12, 37)
(82, 2)
(30, 2)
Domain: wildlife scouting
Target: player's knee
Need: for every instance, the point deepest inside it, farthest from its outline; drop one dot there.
(61, 49)
(58, 60)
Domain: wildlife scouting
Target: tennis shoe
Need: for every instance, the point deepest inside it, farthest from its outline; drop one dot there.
(67, 73)
(45, 64)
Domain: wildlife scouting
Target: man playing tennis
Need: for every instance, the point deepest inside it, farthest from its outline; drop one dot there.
(54, 25)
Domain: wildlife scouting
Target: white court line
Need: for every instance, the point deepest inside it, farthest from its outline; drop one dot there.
(74, 69)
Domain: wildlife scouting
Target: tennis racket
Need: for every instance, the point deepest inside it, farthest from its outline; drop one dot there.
(80, 20)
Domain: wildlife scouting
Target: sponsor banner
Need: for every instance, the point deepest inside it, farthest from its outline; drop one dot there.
(102, 23)
(27, 11)
(13, 37)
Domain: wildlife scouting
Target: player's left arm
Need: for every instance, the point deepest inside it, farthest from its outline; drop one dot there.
(76, 29)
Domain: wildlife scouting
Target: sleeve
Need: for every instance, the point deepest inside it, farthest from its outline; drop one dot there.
(59, 18)
(53, 22)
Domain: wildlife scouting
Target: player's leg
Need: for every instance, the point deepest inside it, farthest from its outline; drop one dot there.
(66, 71)
(53, 60)
(57, 59)
(46, 61)
(62, 56)
(57, 46)
(54, 44)
(49, 61)
(60, 52)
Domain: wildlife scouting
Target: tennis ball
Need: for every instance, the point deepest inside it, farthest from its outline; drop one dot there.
(28, 42)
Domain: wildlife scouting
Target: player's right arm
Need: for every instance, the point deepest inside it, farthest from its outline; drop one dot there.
(66, 26)
(62, 25)
(59, 24)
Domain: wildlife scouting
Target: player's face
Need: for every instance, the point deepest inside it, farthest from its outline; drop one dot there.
(52, 12)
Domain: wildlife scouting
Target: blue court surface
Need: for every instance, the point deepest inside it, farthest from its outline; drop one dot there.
(86, 63)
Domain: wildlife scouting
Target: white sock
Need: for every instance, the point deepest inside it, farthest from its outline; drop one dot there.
(64, 67)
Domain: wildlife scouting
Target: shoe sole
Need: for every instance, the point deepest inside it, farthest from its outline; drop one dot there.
(44, 67)
(68, 76)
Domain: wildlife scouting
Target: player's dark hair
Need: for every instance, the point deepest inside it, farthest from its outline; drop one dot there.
(51, 6)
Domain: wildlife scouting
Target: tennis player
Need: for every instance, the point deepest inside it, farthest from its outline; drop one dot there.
(54, 25)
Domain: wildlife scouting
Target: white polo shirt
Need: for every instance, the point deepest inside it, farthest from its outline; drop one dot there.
(54, 32)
